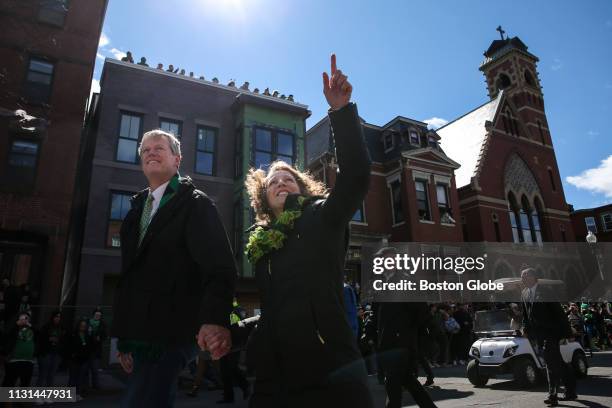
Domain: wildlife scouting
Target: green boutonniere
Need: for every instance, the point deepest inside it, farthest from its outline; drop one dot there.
(264, 240)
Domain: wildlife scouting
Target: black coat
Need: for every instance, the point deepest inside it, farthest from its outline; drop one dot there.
(180, 277)
(544, 320)
(303, 338)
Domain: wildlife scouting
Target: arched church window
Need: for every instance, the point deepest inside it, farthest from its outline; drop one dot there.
(513, 213)
(526, 221)
(503, 82)
(537, 219)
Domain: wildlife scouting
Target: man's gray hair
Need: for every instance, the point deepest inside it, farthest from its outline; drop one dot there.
(529, 271)
(175, 144)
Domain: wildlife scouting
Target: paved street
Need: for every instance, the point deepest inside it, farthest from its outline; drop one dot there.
(451, 389)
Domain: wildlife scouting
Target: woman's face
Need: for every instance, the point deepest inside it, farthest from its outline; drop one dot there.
(278, 185)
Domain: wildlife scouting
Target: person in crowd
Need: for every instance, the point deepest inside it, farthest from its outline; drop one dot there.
(143, 62)
(546, 324)
(452, 328)
(18, 350)
(305, 352)
(97, 332)
(424, 337)
(398, 329)
(230, 371)
(51, 346)
(463, 338)
(204, 369)
(177, 278)
(577, 324)
(437, 330)
(128, 57)
(80, 350)
(350, 305)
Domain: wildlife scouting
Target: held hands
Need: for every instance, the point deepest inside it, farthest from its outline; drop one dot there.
(126, 361)
(337, 89)
(216, 339)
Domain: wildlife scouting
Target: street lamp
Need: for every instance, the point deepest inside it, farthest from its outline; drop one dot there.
(591, 239)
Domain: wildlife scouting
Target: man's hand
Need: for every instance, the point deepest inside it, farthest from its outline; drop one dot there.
(337, 89)
(126, 361)
(216, 339)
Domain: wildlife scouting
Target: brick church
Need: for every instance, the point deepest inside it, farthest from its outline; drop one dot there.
(489, 175)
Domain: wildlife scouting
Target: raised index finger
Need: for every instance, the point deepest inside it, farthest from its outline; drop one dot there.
(333, 64)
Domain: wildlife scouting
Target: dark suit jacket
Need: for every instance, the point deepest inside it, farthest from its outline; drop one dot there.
(544, 320)
(304, 338)
(181, 276)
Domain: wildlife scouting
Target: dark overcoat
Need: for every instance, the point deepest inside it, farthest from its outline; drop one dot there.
(304, 341)
(181, 276)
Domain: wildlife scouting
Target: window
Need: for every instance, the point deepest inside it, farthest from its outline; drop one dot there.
(271, 145)
(446, 215)
(502, 82)
(53, 12)
(396, 201)
(37, 87)
(541, 132)
(606, 220)
(529, 78)
(205, 150)
(388, 141)
(129, 134)
(359, 215)
(497, 232)
(414, 138)
(590, 224)
(422, 200)
(120, 205)
(552, 180)
(22, 161)
(171, 126)
(513, 213)
(432, 142)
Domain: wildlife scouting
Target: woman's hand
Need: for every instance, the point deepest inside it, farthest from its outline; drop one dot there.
(337, 89)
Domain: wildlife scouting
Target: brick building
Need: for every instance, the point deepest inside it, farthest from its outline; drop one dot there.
(490, 175)
(509, 185)
(412, 194)
(223, 129)
(47, 55)
(598, 220)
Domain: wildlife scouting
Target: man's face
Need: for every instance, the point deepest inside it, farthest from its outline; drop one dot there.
(57, 319)
(97, 315)
(23, 321)
(528, 279)
(279, 185)
(158, 161)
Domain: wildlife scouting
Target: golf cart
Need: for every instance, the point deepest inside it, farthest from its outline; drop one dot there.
(500, 349)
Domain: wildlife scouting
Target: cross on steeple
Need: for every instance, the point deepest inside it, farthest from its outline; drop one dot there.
(501, 32)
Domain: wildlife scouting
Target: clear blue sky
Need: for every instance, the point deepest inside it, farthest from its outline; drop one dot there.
(412, 58)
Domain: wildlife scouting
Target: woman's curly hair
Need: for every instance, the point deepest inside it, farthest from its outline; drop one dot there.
(256, 188)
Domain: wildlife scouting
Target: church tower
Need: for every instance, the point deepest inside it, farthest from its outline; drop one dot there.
(510, 67)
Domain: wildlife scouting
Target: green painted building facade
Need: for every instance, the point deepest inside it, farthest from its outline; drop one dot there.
(266, 130)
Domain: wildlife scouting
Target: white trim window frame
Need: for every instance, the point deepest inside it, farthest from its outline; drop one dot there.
(606, 221)
(590, 224)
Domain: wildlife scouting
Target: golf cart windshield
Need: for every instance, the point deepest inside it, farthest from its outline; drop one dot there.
(494, 321)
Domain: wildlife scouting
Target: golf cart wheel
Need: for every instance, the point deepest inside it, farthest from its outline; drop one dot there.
(525, 372)
(580, 364)
(473, 374)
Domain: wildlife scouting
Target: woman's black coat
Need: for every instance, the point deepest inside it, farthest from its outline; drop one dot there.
(304, 339)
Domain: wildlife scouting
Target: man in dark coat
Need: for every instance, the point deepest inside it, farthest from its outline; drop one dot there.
(546, 323)
(177, 278)
(399, 324)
